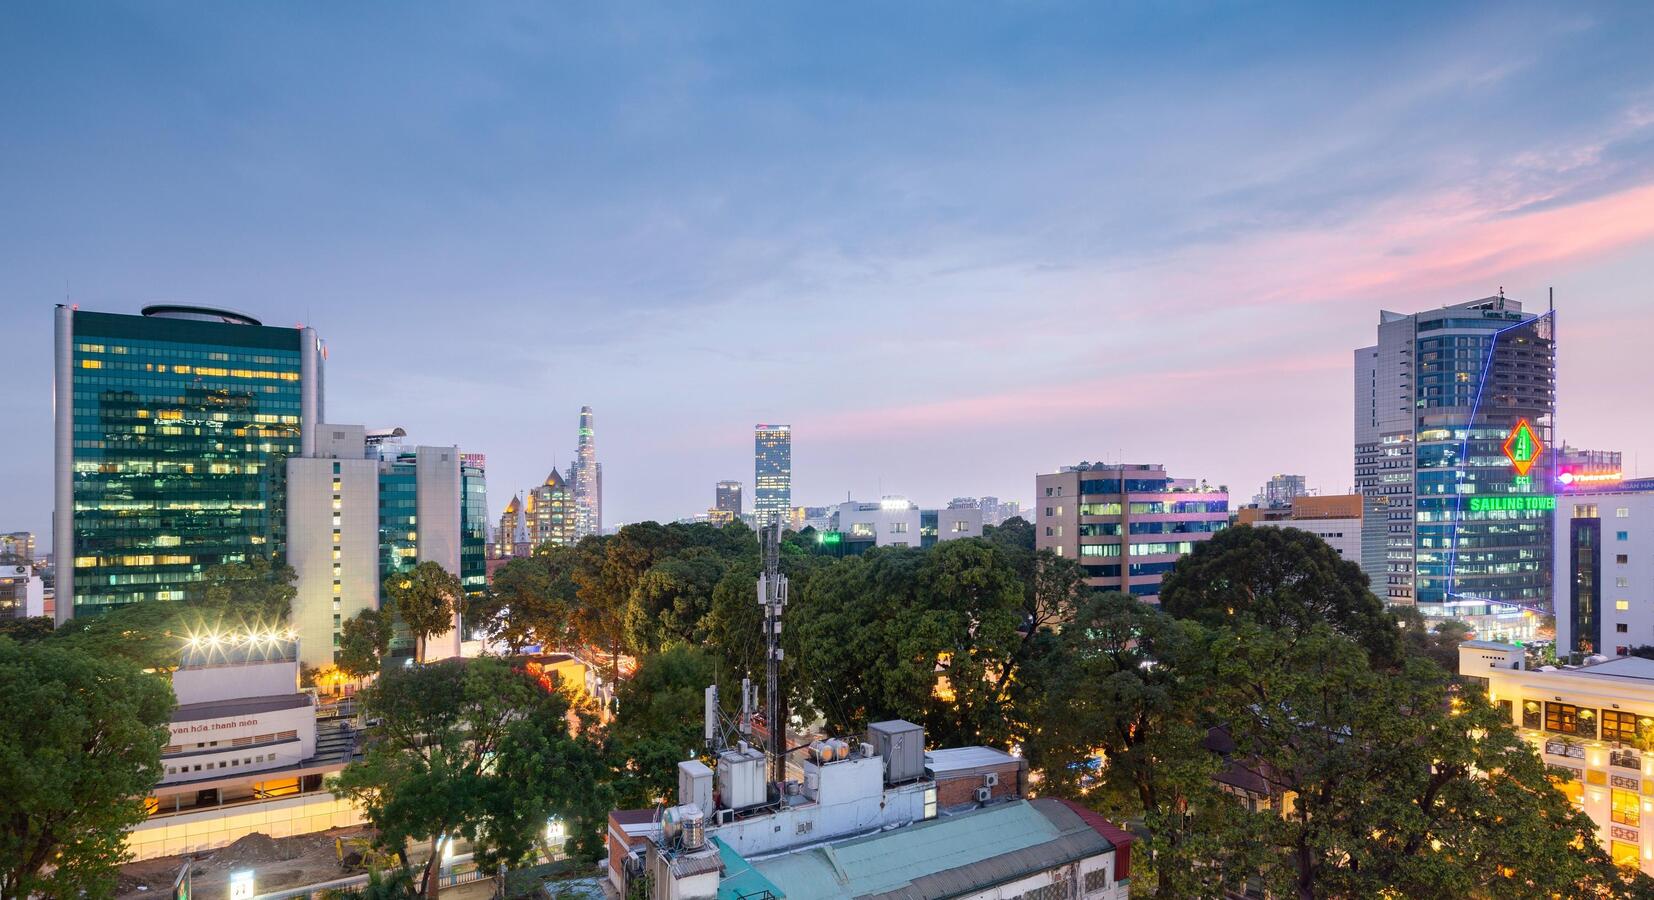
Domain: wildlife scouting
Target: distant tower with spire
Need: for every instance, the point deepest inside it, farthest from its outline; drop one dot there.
(588, 481)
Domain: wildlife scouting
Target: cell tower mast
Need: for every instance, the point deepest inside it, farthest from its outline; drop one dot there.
(772, 595)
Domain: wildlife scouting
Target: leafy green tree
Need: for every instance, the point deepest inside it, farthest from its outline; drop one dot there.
(148, 633)
(254, 594)
(735, 626)
(600, 617)
(1282, 579)
(671, 601)
(658, 722)
(839, 630)
(930, 635)
(365, 643)
(27, 630)
(532, 600)
(426, 597)
(80, 746)
(1126, 683)
(1401, 786)
(1384, 781)
(1439, 643)
(1015, 533)
(464, 748)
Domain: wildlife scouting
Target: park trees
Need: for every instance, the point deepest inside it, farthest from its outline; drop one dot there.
(426, 597)
(463, 748)
(532, 600)
(365, 643)
(1283, 579)
(1376, 776)
(671, 600)
(255, 594)
(928, 635)
(80, 745)
(1402, 786)
(658, 722)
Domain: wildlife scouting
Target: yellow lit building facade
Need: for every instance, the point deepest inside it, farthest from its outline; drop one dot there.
(1593, 726)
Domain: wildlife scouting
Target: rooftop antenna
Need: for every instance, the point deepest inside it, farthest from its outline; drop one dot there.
(772, 595)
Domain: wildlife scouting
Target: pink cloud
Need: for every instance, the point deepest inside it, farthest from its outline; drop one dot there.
(1428, 245)
(1073, 400)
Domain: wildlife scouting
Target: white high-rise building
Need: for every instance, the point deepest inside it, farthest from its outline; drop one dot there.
(333, 538)
(588, 481)
(1604, 552)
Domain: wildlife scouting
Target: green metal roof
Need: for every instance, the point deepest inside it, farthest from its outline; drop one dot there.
(890, 861)
(740, 879)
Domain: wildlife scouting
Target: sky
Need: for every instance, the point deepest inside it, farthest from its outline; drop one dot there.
(953, 245)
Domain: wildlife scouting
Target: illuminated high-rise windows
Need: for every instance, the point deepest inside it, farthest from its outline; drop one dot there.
(1453, 413)
(236, 398)
(772, 474)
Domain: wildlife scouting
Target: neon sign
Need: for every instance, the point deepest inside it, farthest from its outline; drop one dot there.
(1515, 503)
(1523, 448)
(1588, 477)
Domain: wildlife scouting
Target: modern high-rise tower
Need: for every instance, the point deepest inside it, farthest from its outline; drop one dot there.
(588, 481)
(772, 499)
(1453, 415)
(727, 498)
(171, 430)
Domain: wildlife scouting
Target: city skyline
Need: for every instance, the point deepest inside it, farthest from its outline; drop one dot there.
(988, 194)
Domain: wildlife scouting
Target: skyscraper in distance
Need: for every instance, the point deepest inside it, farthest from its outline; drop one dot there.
(772, 474)
(588, 483)
(171, 428)
(1280, 490)
(1453, 418)
(728, 498)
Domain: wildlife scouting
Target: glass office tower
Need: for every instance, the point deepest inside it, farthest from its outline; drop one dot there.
(171, 429)
(772, 500)
(473, 524)
(1453, 412)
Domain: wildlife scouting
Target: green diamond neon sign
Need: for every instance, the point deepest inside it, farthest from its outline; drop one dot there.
(1523, 448)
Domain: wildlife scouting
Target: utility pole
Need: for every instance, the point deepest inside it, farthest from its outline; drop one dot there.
(772, 595)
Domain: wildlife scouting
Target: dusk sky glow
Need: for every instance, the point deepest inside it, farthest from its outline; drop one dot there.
(952, 246)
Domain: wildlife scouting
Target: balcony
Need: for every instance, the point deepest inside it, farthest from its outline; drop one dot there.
(1571, 749)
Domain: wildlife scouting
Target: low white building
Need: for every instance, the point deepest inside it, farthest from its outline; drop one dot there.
(22, 593)
(246, 752)
(1604, 558)
(897, 522)
(1587, 723)
(240, 711)
(880, 819)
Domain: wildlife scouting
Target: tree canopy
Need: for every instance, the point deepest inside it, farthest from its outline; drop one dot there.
(658, 723)
(426, 598)
(80, 746)
(365, 642)
(1366, 777)
(531, 600)
(463, 748)
(1282, 579)
(254, 594)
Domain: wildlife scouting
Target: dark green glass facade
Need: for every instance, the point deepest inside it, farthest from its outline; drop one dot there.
(473, 528)
(398, 536)
(180, 430)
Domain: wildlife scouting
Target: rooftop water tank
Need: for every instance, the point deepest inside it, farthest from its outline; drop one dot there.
(902, 745)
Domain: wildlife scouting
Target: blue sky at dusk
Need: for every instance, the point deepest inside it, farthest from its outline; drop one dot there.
(953, 245)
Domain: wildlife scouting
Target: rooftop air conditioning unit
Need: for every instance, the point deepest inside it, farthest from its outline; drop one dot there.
(991, 779)
(983, 795)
